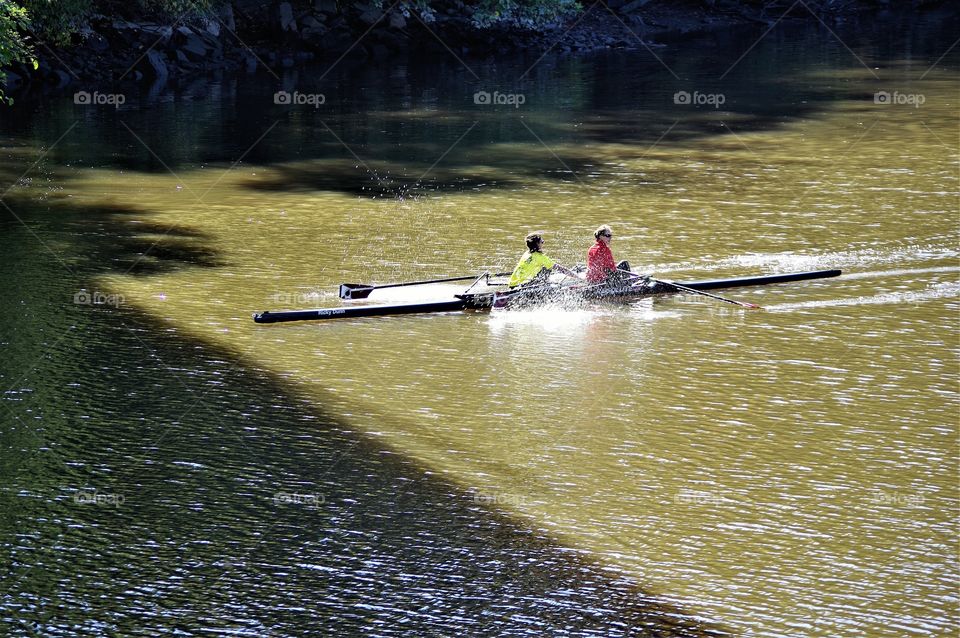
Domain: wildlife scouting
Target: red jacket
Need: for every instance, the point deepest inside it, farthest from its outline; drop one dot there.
(599, 262)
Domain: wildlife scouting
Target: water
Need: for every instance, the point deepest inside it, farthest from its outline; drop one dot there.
(676, 464)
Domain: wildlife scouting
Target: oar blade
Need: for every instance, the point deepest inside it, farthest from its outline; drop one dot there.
(355, 291)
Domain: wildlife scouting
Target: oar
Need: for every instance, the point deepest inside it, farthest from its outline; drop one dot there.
(694, 291)
(362, 291)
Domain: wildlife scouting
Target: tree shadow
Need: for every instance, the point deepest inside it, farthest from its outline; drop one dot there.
(287, 519)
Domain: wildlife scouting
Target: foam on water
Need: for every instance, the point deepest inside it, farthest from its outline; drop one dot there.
(789, 262)
(936, 291)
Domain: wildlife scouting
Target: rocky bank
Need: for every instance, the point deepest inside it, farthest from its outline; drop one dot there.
(278, 35)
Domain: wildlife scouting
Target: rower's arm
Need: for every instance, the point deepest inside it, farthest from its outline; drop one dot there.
(567, 271)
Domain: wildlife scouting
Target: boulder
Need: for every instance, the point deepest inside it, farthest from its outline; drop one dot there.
(154, 66)
(397, 21)
(227, 18)
(636, 5)
(371, 15)
(124, 34)
(212, 27)
(95, 41)
(310, 22)
(13, 80)
(287, 21)
(325, 6)
(156, 33)
(61, 78)
(190, 43)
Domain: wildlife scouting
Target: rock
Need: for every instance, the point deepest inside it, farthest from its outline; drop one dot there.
(309, 22)
(183, 59)
(156, 33)
(153, 66)
(13, 80)
(370, 16)
(96, 41)
(313, 34)
(226, 17)
(212, 27)
(61, 77)
(191, 43)
(636, 5)
(286, 62)
(397, 21)
(325, 6)
(287, 21)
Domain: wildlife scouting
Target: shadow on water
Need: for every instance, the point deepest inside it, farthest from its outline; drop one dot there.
(156, 484)
(413, 126)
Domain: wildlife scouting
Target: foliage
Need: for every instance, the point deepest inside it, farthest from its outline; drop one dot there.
(179, 8)
(530, 14)
(13, 45)
(53, 21)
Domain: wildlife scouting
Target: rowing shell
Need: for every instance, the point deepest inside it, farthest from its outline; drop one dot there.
(486, 300)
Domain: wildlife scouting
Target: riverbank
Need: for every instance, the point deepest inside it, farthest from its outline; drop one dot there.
(246, 35)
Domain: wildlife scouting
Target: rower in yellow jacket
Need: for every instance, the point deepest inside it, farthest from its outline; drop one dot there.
(534, 266)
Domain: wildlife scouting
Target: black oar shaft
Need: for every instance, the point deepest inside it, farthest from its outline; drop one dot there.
(348, 291)
(694, 291)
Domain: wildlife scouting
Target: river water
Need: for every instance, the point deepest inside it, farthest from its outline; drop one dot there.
(675, 467)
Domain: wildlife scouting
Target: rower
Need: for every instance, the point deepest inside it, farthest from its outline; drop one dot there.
(600, 264)
(534, 266)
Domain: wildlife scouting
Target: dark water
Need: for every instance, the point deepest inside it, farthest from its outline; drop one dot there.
(158, 478)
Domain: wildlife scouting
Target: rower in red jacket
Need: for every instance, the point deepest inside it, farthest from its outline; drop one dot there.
(600, 264)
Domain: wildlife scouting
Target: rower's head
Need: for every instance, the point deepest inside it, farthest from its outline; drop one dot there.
(603, 233)
(534, 241)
